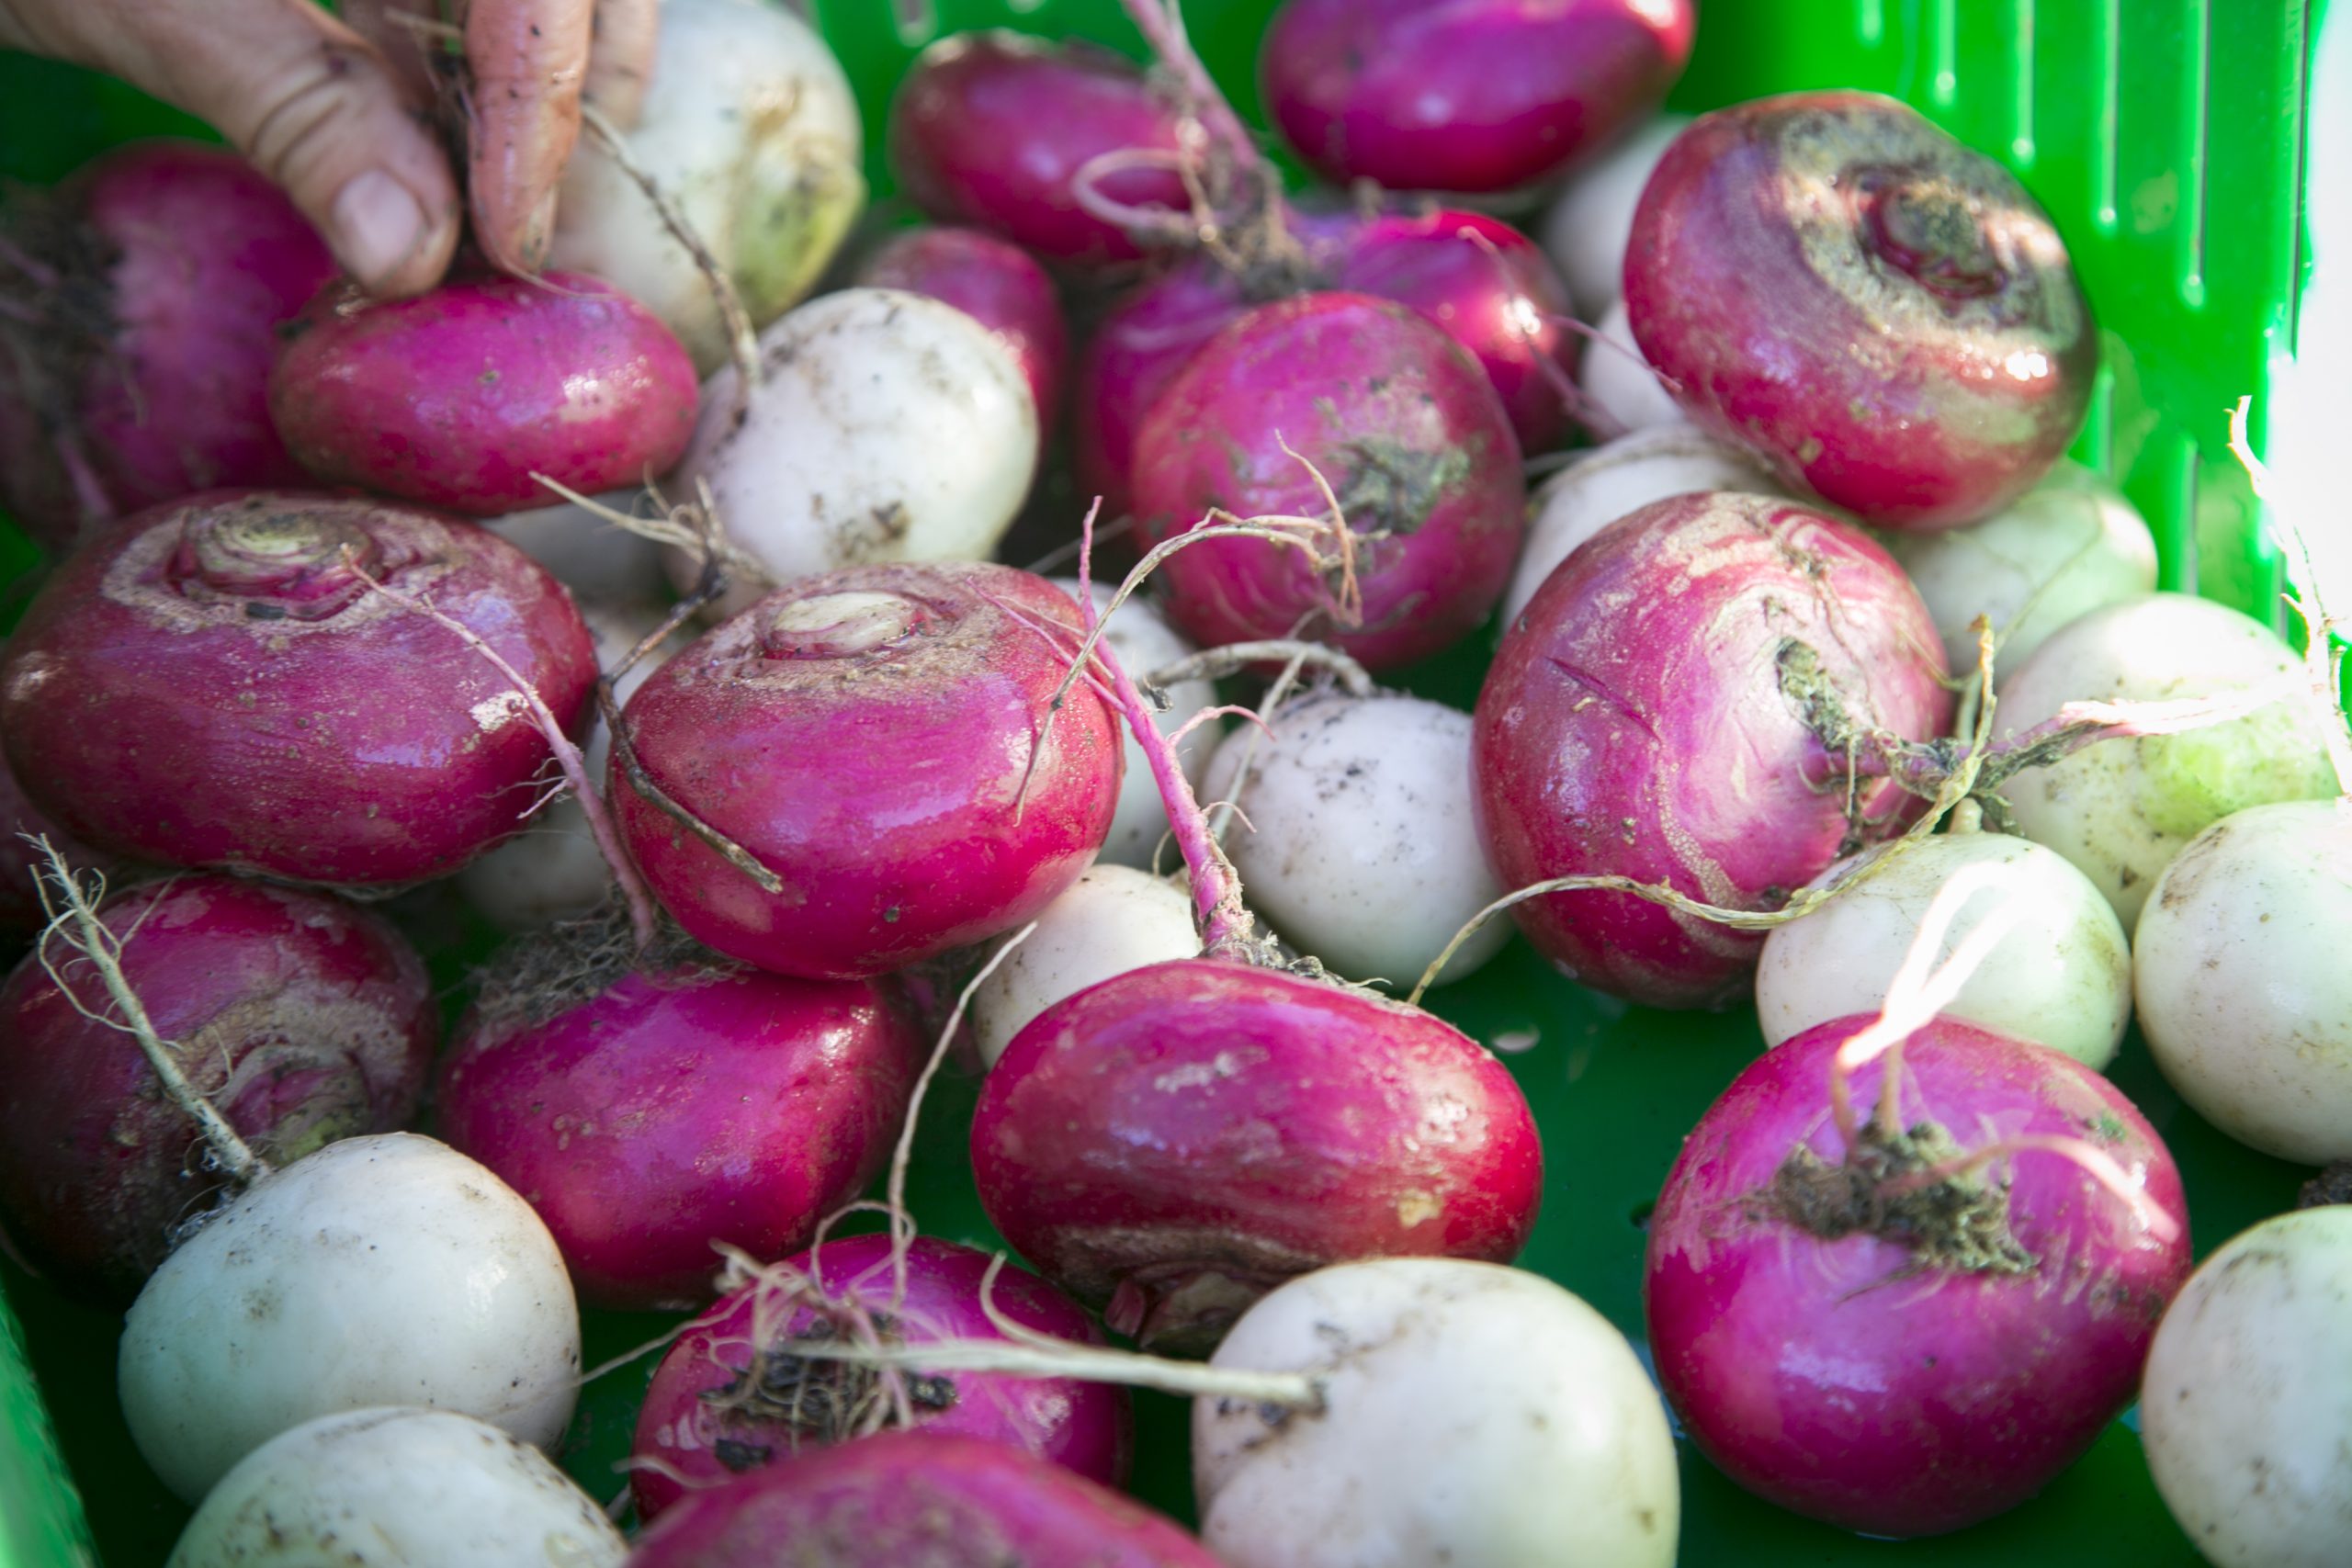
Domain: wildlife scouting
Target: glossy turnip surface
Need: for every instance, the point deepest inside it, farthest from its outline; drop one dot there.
(994, 282)
(872, 737)
(1881, 313)
(213, 684)
(1673, 705)
(1136, 349)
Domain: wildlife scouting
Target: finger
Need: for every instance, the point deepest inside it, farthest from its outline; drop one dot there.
(620, 57)
(399, 29)
(304, 97)
(529, 59)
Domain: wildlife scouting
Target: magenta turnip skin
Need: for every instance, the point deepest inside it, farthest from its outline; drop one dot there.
(1933, 1374)
(1405, 426)
(303, 1019)
(708, 1414)
(1470, 96)
(21, 915)
(457, 398)
(871, 737)
(169, 267)
(1882, 314)
(1135, 350)
(1177, 1140)
(994, 282)
(674, 1109)
(903, 1499)
(213, 684)
(993, 128)
(1673, 705)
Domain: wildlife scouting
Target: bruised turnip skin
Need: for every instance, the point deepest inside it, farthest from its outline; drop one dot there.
(2121, 810)
(176, 264)
(385, 1270)
(904, 1498)
(993, 128)
(1470, 1413)
(303, 1018)
(394, 1487)
(1882, 313)
(994, 282)
(1472, 95)
(1883, 1381)
(211, 685)
(872, 737)
(460, 398)
(679, 1107)
(1670, 707)
(726, 1398)
(2238, 967)
(1180, 1138)
(1113, 919)
(1400, 420)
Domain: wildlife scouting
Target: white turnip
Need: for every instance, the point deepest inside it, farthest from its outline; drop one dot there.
(1112, 919)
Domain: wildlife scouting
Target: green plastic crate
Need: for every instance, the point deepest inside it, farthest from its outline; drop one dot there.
(2165, 136)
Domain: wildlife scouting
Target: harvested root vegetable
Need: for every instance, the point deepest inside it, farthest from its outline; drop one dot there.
(598, 561)
(290, 721)
(140, 303)
(1446, 1387)
(1144, 641)
(1113, 919)
(397, 1487)
(750, 129)
(1678, 706)
(732, 1395)
(1881, 313)
(1586, 229)
(464, 397)
(874, 742)
(1619, 383)
(1134, 352)
(994, 282)
(21, 915)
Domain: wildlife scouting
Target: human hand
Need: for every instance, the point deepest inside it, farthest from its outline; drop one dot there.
(337, 111)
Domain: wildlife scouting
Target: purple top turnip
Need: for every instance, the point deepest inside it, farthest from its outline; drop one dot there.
(216, 683)
(678, 1108)
(1874, 1331)
(906, 1498)
(708, 1413)
(1472, 95)
(878, 740)
(21, 914)
(1401, 422)
(996, 284)
(1882, 313)
(458, 398)
(1675, 705)
(138, 304)
(993, 128)
(301, 1018)
(1136, 349)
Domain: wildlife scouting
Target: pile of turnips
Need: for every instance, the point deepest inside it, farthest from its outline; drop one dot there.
(649, 608)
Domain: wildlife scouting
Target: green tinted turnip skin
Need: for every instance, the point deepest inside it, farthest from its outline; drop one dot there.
(2122, 809)
(2244, 994)
(2246, 1408)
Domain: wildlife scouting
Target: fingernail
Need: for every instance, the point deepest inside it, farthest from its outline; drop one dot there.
(381, 225)
(539, 233)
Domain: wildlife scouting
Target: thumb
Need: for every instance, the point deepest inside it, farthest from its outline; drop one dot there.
(305, 98)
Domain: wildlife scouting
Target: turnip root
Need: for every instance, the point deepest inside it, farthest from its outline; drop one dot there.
(2121, 810)
(2060, 977)
(994, 282)
(1619, 382)
(463, 398)
(2245, 1411)
(1144, 641)
(1471, 1413)
(907, 1498)
(875, 743)
(381, 1270)
(750, 129)
(139, 309)
(731, 1396)
(303, 1019)
(1487, 97)
(2069, 546)
(2238, 968)
(397, 1487)
(1357, 837)
(1112, 919)
(21, 914)
(1141, 342)
(1586, 229)
(1675, 705)
(1624, 475)
(889, 427)
(1881, 313)
(220, 684)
